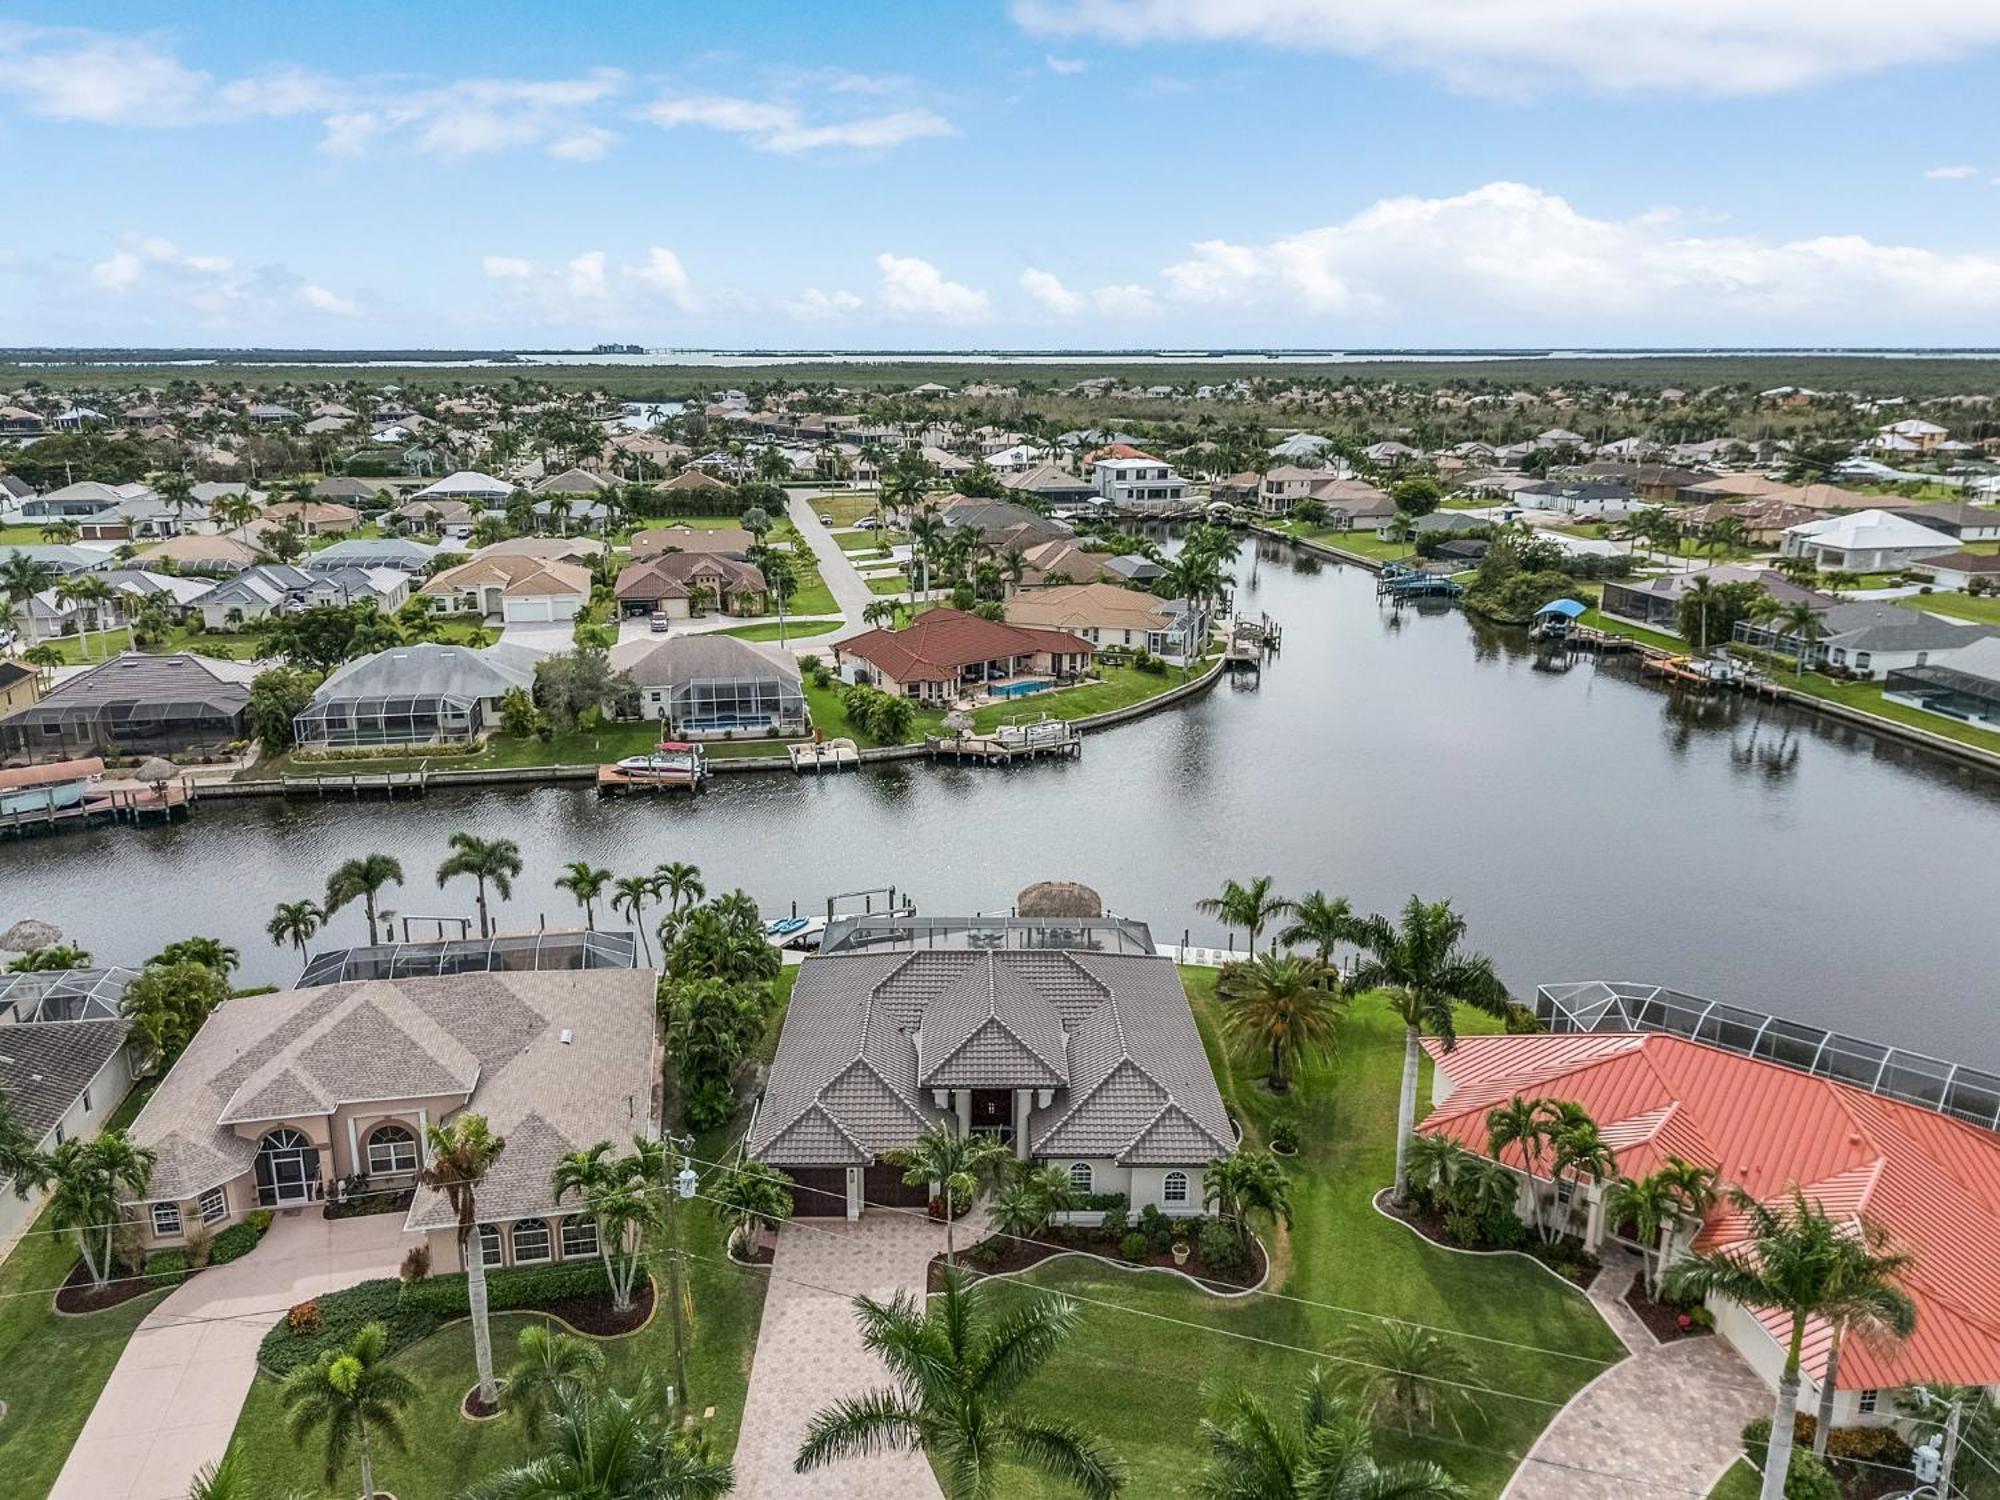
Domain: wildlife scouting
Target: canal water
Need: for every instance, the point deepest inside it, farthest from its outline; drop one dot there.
(1588, 824)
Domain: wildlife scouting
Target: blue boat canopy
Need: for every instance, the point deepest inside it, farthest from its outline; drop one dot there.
(1569, 609)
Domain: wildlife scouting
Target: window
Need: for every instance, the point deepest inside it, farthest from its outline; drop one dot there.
(1174, 1188)
(166, 1219)
(579, 1237)
(531, 1242)
(86, 1092)
(1867, 1402)
(1081, 1177)
(391, 1149)
(212, 1205)
(489, 1245)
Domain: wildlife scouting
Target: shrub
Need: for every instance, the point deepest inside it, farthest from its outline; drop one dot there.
(1285, 1136)
(168, 1267)
(710, 1103)
(1134, 1246)
(416, 1265)
(235, 1242)
(1221, 1251)
(258, 1219)
(304, 1320)
(1115, 1221)
(1809, 1479)
(200, 1243)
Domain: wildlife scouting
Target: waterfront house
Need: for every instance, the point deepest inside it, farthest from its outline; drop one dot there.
(1284, 486)
(414, 694)
(945, 654)
(131, 705)
(1057, 562)
(1655, 602)
(702, 686)
(281, 1098)
(683, 585)
(1930, 1181)
(717, 541)
(1139, 484)
(511, 589)
(1079, 1052)
(1867, 638)
(1968, 689)
(1869, 541)
(1051, 485)
(1961, 522)
(20, 685)
(1109, 615)
(1354, 504)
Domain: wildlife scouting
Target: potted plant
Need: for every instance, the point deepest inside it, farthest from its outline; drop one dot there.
(1181, 1252)
(1285, 1138)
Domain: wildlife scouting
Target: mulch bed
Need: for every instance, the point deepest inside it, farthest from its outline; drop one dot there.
(79, 1296)
(1662, 1319)
(361, 1208)
(756, 1255)
(1021, 1253)
(475, 1410)
(593, 1313)
(1430, 1224)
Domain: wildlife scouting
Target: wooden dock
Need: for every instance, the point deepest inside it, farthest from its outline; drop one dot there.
(612, 782)
(390, 784)
(824, 755)
(1043, 738)
(133, 805)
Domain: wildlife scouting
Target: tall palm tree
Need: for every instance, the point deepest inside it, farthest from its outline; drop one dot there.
(1327, 1453)
(1244, 1184)
(1857, 1306)
(1658, 1204)
(604, 1446)
(958, 1165)
(93, 1178)
(487, 861)
(228, 1478)
(22, 577)
(1408, 1374)
(614, 1191)
(586, 884)
(1797, 1261)
(1800, 621)
(1577, 1149)
(629, 896)
(1523, 1124)
(293, 922)
(1422, 965)
(551, 1367)
(89, 594)
(955, 1364)
(461, 1154)
(1322, 922)
(356, 1396)
(362, 878)
(1279, 1003)
(1251, 907)
(680, 883)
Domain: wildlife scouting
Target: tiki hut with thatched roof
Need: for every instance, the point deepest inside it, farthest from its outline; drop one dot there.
(1058, 898)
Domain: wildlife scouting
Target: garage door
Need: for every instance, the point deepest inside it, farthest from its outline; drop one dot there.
(531, 611)
(883, 1187)
(819, 1192)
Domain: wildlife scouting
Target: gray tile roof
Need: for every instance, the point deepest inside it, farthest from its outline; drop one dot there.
(46, 1065)
(699, 658)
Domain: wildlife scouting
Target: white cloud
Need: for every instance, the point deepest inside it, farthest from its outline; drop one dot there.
(319, 299)
(1066, 66)
(915, 290)
(1706, 46)
(815, 306)
(664, 273)
(97, 78)
(584, 278)
(588, 144)
(1125, 301)
(591, 288)
(212, 289)
(1047, 289)
(779, 126)
(507, 267)
(1950, 174)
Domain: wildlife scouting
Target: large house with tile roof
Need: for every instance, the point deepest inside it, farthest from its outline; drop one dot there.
(1929, 1181)
(945, 653)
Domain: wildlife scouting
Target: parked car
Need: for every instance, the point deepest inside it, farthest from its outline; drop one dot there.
(658, 624)
(825, 520)
(867, 523)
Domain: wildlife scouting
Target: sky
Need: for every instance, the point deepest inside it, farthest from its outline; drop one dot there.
(1019, 174)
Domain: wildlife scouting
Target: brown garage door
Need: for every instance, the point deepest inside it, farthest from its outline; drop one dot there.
(883, 1187)
(819, 1192)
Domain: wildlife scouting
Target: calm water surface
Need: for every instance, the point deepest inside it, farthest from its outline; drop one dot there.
(1588, 824)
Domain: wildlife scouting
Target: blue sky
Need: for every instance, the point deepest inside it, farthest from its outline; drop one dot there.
(1105, 173)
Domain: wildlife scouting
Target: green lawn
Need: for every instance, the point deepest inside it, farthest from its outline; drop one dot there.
(813, 597)
(795, 630)
(1984, 610)
(844, 510)
(21, 536)
(894, 583)
(1867, 698)
(1138, 1383)
(1604, 622)
(830, 718)
(1121, 687)
(1361, 543)
(52, 1368)
(868, 541)
(1739, 1482)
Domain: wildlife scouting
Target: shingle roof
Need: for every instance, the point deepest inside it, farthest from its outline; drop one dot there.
(46, 1065)
(695, 658)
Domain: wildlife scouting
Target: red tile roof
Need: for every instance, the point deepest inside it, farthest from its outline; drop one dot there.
(940, 642)
(1929, 1181)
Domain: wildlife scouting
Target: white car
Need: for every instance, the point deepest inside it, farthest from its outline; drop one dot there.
(867, 523)
(825, 520)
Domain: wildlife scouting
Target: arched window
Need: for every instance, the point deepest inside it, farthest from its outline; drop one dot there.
(579, 1237)
(531, 1242)
(1173, 1188)
(391, 1149)
(1081, 1177)
(287, 1168)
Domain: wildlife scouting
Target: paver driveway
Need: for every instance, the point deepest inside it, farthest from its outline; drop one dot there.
(174, 1395)
(809, 1353)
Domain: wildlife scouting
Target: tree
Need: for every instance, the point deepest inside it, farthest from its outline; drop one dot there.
(1407, 1374)
(167, 1004)
(753, 1195)
(723, 939)
(957, 1166)
(1708, 612)
(357, 1397)
(213, 952)
(461, 1154)
(550, 1369)
(1577, 1149)
(293, 922)
(1800, 621)
(1436, 1164)
(572, 685)
(1422, 965)
(680, 884)
(614, 1191)
(955, 1365)
(362, 878)
(92, 1179)
(1797, 1261)
(629, 895)
(24, 1168)
(1524, 1125)
(487, 861)
(1279, 1003)
(1322, 922)
(1417, 495)
(1327, 1453)
(604, 1446)
(278, 695)
(23, 577)
(1857, 1305)
(1244, 1184)
(324, 636)
(586, 885)
(1251, 907)
(88, 595)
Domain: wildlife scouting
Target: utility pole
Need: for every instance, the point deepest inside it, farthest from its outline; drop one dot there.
(1934, 1460)
(683, 1186)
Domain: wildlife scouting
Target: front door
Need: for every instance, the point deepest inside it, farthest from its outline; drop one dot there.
(287, 1169)
(993, 1112)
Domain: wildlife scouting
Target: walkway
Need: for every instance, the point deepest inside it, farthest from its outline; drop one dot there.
(174, 1395)
(809, 1353)
(1665, 1422)
(850, 592)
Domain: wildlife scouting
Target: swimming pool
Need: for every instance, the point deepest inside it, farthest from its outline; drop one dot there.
(1017, 689)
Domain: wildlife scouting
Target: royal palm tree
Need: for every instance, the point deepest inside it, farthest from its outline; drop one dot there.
(1244, 1184)
(954, 1365)
(293, 922)
(1279, 1003)
(1857, 1306)
(1322, 922)
(93, 1178)
(957, 1165)
(487, 861)
(604, 1446)
(1326, 1453)
(461, 1154)
(1797, 1261)
(585, 883)
(357, 1397)
(629, 896)
(1421, 964)
(362, 878)
(1404, 1373)
(1251, 907)
(753, 1195)
(550, 1368)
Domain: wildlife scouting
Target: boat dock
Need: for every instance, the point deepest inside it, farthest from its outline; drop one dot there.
(1031, 739)
(356, 784)
(824, 755)
(120, 805)
(1250, 639)
(612, 782)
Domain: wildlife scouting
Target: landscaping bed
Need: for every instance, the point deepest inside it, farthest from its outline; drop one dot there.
(163, 1270)
(363, 1204)
(1565, 1257)
(592, 1312)
(1667, 1321)
(1003, 1254)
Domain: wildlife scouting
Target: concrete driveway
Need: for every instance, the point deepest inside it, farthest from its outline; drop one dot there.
(809, 1353)
(173, 1397)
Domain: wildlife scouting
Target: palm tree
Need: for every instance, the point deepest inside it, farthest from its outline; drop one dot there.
(89, 595)
(1858, 1307)
(1577, 1149)
(1436, 1163)
(957, 1165)
(1523, 1124)
(94, 1177)
(680, 884)
(20, 1163)
(1800, 621)
(1244, 1183)
(356, 1396)
(1426, 972)
(227, 1479)
(461, 1154)
(23, 577)
(496, 861)
(364, 878)
(1656, 1204)
(1280, 1003)
(954, 1365)
(293, 922)
(1797, 1261)
(614, 1191)
(584, 883)
(1322, 922)
(1409, 1374)
(629, 896)
(1327, 1454)
(552, 1368)
(880, 612)
(1250, 907)
(1704, 596)
(604, 1446)
(753, 1195)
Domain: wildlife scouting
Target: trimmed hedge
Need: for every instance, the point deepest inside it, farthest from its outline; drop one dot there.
(415, 1311)
(238, 1240)
(168, 1267)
